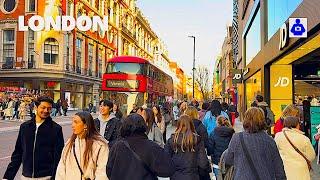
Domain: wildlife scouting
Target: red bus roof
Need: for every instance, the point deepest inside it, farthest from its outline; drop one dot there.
(128, 59)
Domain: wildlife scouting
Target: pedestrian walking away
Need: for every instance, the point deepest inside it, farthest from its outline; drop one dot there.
(187, 151)
(85, 154)
(209, 120)
(219, 141)
(134, 157)
(295, 150)
(253, 153)
(39, 145)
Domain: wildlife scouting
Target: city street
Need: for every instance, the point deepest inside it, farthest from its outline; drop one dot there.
(9, 132)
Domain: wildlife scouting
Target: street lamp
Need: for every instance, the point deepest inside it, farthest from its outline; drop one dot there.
(194, 62)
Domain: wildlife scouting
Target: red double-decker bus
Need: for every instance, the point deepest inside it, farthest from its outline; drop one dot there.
(132, 80)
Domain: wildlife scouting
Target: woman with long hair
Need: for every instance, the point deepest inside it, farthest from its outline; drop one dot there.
(187, 151)
(153, 131)
(253, 153)
(85, 155)
(134, 157)
(209, 119)
(117, 111)
(290, 110)
(160, 121)
(199, 127)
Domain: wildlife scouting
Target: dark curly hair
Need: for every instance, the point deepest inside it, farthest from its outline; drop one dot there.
(133, 124)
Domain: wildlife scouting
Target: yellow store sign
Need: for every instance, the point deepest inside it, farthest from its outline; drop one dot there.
(281, 90)
(281, 82)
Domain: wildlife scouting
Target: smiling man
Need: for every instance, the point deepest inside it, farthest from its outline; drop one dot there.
(39, 145)
(107, 124)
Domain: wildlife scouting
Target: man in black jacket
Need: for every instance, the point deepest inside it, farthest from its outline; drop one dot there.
(107, 124)
(38, 146)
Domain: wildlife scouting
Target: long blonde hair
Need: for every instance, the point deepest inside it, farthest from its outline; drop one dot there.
(290, 110)
(192, 112)
(186, 129)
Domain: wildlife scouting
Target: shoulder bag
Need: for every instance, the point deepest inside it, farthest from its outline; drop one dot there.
(79, 167)
(248, 157)
(298, 151)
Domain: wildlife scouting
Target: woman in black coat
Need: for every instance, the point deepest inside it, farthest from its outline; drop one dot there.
(134, 157)
(187, 151)
(219, 141)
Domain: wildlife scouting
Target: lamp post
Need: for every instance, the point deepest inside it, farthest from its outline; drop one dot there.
(194, 62)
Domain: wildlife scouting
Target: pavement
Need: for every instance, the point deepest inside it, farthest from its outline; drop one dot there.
(9, 131)
(13, 125)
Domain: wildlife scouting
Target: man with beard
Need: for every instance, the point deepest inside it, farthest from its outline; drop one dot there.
(38, 146)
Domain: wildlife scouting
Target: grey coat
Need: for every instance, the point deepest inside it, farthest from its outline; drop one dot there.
(264, 154)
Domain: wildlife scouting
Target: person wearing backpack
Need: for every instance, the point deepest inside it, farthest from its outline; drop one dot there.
(209, 120)
(269, 115)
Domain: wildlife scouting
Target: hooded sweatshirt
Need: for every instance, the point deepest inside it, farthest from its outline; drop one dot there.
(103, 123)
(218, 142)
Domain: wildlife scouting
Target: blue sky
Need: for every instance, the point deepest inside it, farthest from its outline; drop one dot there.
(174, 20)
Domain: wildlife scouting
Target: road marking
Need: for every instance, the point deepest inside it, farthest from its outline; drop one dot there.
(5, 157)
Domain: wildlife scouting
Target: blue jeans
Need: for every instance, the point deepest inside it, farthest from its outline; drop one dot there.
(216, 171)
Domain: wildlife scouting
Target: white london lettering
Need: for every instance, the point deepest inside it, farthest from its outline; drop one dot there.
(63, 23)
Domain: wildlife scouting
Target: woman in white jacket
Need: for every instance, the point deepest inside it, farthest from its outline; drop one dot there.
(85, 155)
(295, 165)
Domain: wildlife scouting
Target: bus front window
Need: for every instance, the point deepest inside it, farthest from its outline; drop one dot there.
(125, 68)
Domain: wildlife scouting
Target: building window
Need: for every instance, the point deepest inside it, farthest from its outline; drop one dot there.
(90, 58)
(30, 48)
(9, 5)
(100, 63)
(8, 49)
(279, 12)
(51, 51)
(78, 55)
(32, 5)
(96, 3)
(253, 39)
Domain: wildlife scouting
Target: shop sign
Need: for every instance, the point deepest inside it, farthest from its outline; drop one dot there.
(282, 82)
(284, 36)
(4, 89)
(130, 84)
(236, 76)
(51, 84)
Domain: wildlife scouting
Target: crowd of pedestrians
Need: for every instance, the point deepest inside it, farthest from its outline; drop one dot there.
(16, 107)
(135, 147)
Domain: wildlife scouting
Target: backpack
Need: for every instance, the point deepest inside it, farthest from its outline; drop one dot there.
(269, 115)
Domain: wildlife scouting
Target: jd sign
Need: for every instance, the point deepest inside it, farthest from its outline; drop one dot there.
(282, 82)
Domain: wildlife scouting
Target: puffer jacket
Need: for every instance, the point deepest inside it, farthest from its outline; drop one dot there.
(218, 142)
